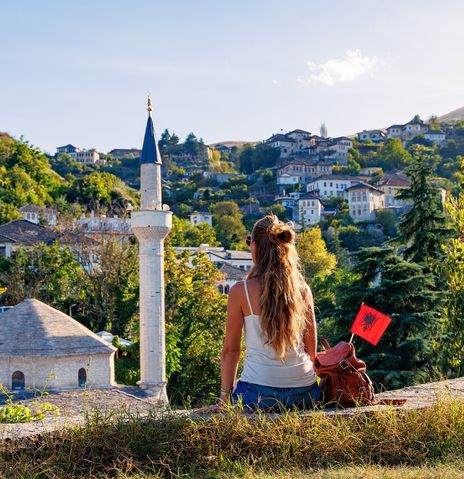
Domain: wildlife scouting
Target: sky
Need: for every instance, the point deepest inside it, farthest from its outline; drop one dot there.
(79, 72)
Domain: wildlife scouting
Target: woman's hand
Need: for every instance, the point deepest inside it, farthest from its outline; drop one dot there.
(214, 408)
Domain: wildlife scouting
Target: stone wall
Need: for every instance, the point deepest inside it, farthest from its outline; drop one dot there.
(59, 372)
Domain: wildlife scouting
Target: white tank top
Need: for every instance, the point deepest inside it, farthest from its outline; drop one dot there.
(263, 367)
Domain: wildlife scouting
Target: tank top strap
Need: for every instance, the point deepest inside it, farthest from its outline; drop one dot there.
(248, 296)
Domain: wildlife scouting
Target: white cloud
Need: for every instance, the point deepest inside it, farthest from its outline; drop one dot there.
(347, 69)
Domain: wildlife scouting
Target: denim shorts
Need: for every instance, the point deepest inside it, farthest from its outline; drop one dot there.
(254, 396)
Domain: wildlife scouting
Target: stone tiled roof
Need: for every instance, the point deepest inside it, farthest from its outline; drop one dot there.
(362, 186)
(33, 328)
(5, 239)
(26, 233)
(232, 272)
(394, 180)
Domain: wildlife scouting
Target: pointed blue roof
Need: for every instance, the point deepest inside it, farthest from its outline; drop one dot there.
(150, 152)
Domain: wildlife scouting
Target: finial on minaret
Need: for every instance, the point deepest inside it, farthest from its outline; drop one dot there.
(149, 108)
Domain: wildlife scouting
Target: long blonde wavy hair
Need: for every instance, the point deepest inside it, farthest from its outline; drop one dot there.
(283, 288)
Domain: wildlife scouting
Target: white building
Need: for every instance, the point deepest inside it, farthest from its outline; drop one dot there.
(41, 347)
(285, 144)
(407, 131)
(300, 171)
(197, 218)
(86, 156)
(363, 201)
(36, 214)
(335, 149)
(83, 156)
(310, 209)
(333, 185)
(103, 224)
(392, 185)
(437, 137)
(218, 255)
(373, 135)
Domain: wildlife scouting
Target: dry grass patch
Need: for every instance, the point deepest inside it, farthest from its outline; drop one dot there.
(237, 445)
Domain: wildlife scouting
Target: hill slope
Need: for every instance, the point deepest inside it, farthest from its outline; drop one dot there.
(455, 115)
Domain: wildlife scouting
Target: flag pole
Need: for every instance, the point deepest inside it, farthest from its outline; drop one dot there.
(352, 334)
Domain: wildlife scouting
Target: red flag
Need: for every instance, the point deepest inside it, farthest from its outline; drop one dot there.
(370, 324)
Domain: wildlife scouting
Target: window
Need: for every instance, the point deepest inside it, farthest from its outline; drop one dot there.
(82, 377)
(18, 380)
(2, 250)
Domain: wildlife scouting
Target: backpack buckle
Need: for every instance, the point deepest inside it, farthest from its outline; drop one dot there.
(344, 364)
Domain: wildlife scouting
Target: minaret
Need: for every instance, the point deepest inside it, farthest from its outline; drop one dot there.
(151, 225)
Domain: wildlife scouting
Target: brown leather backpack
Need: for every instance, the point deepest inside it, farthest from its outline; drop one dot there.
(344, 381)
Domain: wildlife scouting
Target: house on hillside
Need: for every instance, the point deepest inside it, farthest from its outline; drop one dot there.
(68, 149)
(407, 131)
(333, 185)
(198, 217)
(310, 209)
(284, 143)
(232, 275)
(334, 149)
(43, 348)
(376, 136)
(392, 185)
(217, 254)
(125, 153)
(301, 171)
(37, 214)
(20, 233)
(103, 224)
(437, 137)
(363, 201)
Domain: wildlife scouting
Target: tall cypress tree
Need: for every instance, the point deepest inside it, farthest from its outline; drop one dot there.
(423, 229)
(400, 289)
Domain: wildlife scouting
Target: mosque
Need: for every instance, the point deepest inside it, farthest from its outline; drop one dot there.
(41, 347)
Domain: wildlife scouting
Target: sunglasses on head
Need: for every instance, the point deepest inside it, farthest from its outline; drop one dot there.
(248, 240)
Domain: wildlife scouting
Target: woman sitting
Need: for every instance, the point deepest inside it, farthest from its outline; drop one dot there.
(274, 307)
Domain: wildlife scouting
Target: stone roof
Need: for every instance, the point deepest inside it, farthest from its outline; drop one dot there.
(231, 272)
(394, 180)
(310, 196)
(362, 186)
(33, 328)
(280, 137)
(340, 177)
(26, 233)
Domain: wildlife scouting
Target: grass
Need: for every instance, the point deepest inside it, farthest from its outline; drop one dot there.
(386, 443)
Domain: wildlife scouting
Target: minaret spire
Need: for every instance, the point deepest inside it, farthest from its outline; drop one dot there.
(149, 108)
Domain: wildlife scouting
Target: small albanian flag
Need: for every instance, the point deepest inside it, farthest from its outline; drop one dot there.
(370, 324)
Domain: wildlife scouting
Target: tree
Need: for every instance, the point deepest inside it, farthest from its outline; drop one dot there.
(227, 221)
(406, 354)
(422, 229)
(111, 294)
(185, 233)
(451, 269)
(49, 273)
(393, 155)
(315, 259)
(191, 145)
(195, 322)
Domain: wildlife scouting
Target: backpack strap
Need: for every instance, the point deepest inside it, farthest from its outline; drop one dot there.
(248, 296)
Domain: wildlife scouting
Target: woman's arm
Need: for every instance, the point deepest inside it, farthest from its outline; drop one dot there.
(230, 354)
(310, 335)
